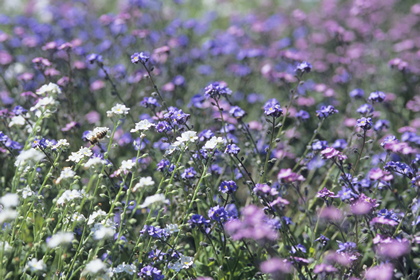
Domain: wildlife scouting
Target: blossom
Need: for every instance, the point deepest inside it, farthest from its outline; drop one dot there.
(9, 200)
(143, 125)
(216, 89)
(357, 93)
(304, 67)
(79, 155)
(139, 57)
(17, 120)
(30, 157)
(69, 195)
(94, 266)
(332, 153)
(232, 149)
(43, 103)
(228, 187)
(272, 108)
(127, 268)
(184, 262)
(287, 176)
(36, 265)
(326, 111)
(377, 96)
(60, 238)
(213, 143)
(143, 182)
(66, 173)
(51, 88)
(154, 199)
(118, 109)
(127, 165)
(101, 231)
(277, 267)
(364, 123)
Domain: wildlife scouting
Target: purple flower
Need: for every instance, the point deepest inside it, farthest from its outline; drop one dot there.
(39, 143)
(140, 57)
(264, 190)
(364, 123)
(324, 268)
(346, 194)
(237, 112)
(162, 126)
(365, 109)
(400, 167)
(326, 111)
(332, 153)
(232, 149)
(302, 115)
(319, 145)
(154, 232)
(339, 144)
(164, 164)
(272, 108)
(149, 102)
(176, 116)
(377, 96)
(197, 220)
(380, 272)
(276, 267)
(381, 125)
(323, 240)
(188, 173)
(19, 110)
(325, 193)
(287, 176)
(228, 187)
(346, 247)
(357, 93)
(93, 57)
(151, 272)
(304, 67)
(216, 89)
(218, 213)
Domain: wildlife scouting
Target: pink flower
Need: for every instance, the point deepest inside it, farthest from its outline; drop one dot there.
(287, 176)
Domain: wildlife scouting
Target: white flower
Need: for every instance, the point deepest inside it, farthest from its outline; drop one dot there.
(77, 217)
(43, 103)
(80, 154)
(94, 266)
(51, 88)
(35, 265)
(171, 228)
(61, 143)
(94, 215)
(30, 157)
(183, 262)
(213, 142)
(60, 238)
(188, 136)
(118, 109)
(143, 125)
(127, 165)
(66, 173)
(156, 198)
(144, 182)
(17, 120)
(26, 192)
(9, 200)
(101, 232)
(127, 268)
(7, 214)
(69, 195)
(94, 161)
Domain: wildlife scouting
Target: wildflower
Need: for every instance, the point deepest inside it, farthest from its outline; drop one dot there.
(93, 57)
(143, 125)
(383, 271)
(304, 67)
(171, 228)
(17, 120)
(118, 109)
(79, 155)
(218, 214)
(197, 220)
(324, 268)
(237, 112)
(188, 173)
(319, 145)
(69, 195)
(93, 161)
(188, 136)
(377, 96)
(232, 149)
(51, 89)
(143, 182)
(216, 89)
(392, 248)
(127, 165)
(29, 157)
(152, 272)
(26, 192)
(357, 93)
(364, 123)
(326, 111)
(155, 232)
(346, 247)
(101, 231)
(19, 110)
(381, 125)
(9, 200)
(332, 153)
(346, 194)
(176, 116)
(272, 108)
(365, 109)
(213, 143)
(60, 238)
(363, 205)
(61, 143)
(66, 173)
(277, 267)
(140, 57)
(331, 213)
(127, 268)
(154, 199)
(184, 262)
(287, 176)
(35, 265)
(302, 115)
(323, 240)
(400, 167)
(149, 102)
(325, 193)
(95, 215)
(94, 266)
(228, 187)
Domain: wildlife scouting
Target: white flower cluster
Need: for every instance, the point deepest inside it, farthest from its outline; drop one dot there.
(70, 195)
(60, 238)
(80, 154)
(154, 199)
(118, 109)
(143, 125)
(184, 262)
(9, 202)
(98, 268)
(66, 173)
(50, 89)
(182, 141)
(127, 268)
(144, 182)
(213, 143)
(29, 157)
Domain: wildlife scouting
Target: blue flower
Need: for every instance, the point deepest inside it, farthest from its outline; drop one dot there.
(228, 187)
(218, 214)
(272, 108)
(232, 149)
(326, 111)
(304, 67)
(377, 96)
(357, 93)
(216, 89)
(364, 123)
(140, 57)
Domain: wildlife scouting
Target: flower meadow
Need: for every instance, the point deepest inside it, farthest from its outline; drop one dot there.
(208, 140)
